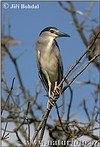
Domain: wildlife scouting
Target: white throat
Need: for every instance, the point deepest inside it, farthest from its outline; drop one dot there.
(50, 42)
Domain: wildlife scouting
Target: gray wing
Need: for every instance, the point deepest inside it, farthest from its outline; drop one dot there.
(40, 72)
(60, 64)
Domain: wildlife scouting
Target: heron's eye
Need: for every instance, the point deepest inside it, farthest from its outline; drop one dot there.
(52, 31)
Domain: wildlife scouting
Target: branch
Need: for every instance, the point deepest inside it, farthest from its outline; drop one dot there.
(7, 135)
(43, 121)
(65, 8)
(60, 120)
(17, 69)
(8, 96)
(75, 20)
(78, 61)
(19, 139)
(85, 108)
(16, 129)
(87, 13)
(78, 26)
(70, 103)
(80, 72)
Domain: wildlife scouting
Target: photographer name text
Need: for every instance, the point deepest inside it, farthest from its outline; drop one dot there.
(21, 6)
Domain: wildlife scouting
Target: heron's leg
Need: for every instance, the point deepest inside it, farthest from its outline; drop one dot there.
(51, 98)
(55, 92)
(49, 84)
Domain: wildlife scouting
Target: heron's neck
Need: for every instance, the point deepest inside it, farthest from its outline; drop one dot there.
(50, 43)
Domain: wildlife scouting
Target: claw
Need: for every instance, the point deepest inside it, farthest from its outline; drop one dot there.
(51, 102)
(56, 89)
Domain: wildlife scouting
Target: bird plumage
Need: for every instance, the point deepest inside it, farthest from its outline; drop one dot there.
(49, 61)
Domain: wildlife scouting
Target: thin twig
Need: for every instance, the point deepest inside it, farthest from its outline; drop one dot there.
(16, 129)
(42, 133)
(70, 103)
(85, 108)
(44, 119)
(65, 8)
(7, 135)
(28, 131)
(60, 120)
(80, 72)
(86, 15)
(17, 69)
(79, 27)
(8, 95)
(19, 139)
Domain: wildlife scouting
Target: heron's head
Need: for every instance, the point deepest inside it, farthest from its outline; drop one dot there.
(53, 32)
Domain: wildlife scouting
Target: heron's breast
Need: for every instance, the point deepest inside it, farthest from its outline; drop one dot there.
(50, 65)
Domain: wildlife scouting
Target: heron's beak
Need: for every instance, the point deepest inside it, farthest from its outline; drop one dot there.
(61, 34)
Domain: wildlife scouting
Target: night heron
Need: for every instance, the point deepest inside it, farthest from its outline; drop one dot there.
(49, 60)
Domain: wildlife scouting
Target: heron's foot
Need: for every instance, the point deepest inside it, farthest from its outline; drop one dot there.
(56, 89)
(51, 101)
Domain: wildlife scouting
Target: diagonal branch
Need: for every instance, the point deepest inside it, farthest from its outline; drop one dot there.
(80, 72)
(17, 69)
(8, 96)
